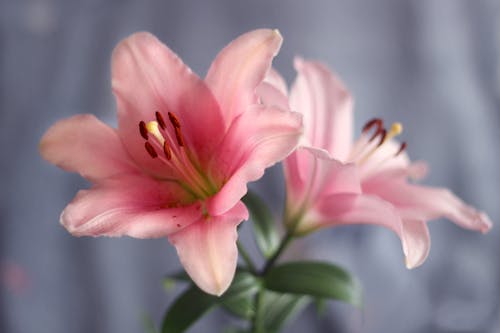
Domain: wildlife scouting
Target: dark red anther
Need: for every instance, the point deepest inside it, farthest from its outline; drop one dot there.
(143, 130)
(173, 119)
(383, 134)
(374, 122)
(402, 148)
(378, 131)
(178, 136)
(159, 119)
(167, 151)
(151, 151)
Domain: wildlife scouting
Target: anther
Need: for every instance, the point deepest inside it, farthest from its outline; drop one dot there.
(178, 136)
(159, 119)
(383, 136)
(374, 122)
(151, 151)
(167, 151)
(143, 130)
(173, 119)
(402, 148)
(377, 133)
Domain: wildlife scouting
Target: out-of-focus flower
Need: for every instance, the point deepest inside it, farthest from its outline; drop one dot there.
(332, 180)
(185, 148)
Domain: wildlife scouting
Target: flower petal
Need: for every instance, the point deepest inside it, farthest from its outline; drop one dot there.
(257, 139)
(348, 208)
(239, 68)
(327, 108)
(311, 174)
(417, 239)
(136, 206)
(207, 249)
(148, 77)
(86, 145)
(427, 203)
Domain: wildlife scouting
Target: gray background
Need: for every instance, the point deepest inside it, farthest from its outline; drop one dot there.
(432, 64)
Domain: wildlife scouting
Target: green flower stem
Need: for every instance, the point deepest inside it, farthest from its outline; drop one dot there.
(258, 318)
(283, 245)
(246, 257)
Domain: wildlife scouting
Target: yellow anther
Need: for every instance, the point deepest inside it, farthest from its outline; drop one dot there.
(153, 129)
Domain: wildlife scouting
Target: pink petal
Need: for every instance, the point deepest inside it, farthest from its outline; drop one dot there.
(207, 249)
(257, 139)
(86, 145)
(311, 174)
(427, 203)
(239, 68)
(136, 206)
(271, 96)
(348, 208)
(148, 77)
(417, 241)
(327, 108)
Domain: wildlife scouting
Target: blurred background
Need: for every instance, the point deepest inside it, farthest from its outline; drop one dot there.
(433, 65)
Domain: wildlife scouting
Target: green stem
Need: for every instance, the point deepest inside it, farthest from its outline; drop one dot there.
(258, 320)
(283, 245)
(246, 257)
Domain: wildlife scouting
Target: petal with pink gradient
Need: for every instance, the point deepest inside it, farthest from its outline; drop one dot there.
(133, 205)
(239, 68)
(349, 208)
(148, 77)
(207, 249)
(417, 239)
(257, 139)
(311, 174)
(327, 108)
(86, 145)
(427, 203)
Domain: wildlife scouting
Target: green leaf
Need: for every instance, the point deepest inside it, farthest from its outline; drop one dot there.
(187, 309)
(265, 229)
(239, 298)
(278, 309)
(317, 279)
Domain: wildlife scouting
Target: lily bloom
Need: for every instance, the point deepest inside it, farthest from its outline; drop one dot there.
(184, 150)
(333, 180)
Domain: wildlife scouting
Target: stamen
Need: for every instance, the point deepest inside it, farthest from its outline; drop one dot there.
(167, 150)
(401, 149)
(159, 119)
(379, 131)
(173, 119)
(178, 136)
(374, 122)
(150, 150)
(383, 137)
(143, 130)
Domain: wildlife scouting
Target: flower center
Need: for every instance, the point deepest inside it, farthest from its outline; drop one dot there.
(169, 146)
(374, 140)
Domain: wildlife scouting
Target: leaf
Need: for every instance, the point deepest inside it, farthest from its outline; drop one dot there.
(266, 232)
(278, 309)
(239, 298)
(187, 309)
(194, 303)
(317, 279)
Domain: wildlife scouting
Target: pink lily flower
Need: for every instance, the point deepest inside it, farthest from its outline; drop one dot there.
(333, 180)
(184, 150)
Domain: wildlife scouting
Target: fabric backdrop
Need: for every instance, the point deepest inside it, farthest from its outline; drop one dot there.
(431, 64)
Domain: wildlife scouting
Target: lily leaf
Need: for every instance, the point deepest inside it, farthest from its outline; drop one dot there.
(187, 309)
(239, 298)
(265, 230)
(317, 279)
(280, 308)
